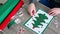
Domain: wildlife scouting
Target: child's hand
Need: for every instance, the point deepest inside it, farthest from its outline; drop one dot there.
(54, 11)
(31, 9)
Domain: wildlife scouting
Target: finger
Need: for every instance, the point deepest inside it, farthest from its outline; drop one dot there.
(33, 12)
(30, 11)
(53, 14)
(50, 11)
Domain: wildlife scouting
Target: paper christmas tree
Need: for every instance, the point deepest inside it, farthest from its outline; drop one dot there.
(39, 20)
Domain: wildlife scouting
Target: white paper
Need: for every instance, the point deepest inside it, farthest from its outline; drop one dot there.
(39, 30)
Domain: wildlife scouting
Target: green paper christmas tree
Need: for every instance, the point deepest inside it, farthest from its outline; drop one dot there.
(39, 20)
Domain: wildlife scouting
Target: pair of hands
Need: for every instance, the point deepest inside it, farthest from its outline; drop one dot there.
(32, 10)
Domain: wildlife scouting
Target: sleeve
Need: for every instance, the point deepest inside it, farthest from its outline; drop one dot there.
(33, 1)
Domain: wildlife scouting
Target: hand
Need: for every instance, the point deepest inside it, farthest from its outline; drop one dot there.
(54, 11)
(31, 9)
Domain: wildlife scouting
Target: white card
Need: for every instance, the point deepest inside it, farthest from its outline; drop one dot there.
(39, 30)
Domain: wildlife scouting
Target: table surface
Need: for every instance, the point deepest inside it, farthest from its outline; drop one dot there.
(50, 30)
(3, 1)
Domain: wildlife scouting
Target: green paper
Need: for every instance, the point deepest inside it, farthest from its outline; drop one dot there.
(39, 20)
(11, 23)
(6, 8)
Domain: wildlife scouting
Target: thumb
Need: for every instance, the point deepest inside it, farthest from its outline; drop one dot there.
(33, 12)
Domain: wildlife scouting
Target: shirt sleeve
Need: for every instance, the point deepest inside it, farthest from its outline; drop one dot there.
(33, 1)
